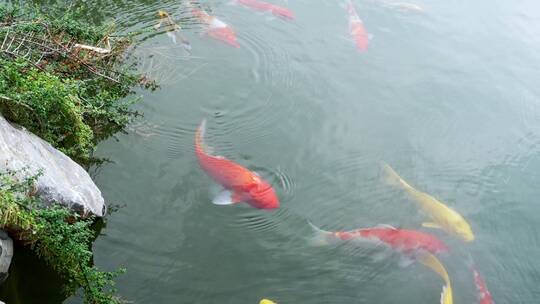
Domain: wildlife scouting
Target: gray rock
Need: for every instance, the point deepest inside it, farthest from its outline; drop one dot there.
(6, 253)
(62, 180)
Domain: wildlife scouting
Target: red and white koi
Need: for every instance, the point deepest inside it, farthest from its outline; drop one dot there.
(484, 296)
(267, 7)
(411, 243)
(241, 184)
(356, 29)
(216, 28)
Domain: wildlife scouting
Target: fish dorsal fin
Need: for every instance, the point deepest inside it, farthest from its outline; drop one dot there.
(255, 178)
(386, 226)
(317, 229)
(431, 225)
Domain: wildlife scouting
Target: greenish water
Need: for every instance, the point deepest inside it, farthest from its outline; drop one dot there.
(449, 97)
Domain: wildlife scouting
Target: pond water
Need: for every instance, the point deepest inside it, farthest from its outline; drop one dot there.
(448, 96)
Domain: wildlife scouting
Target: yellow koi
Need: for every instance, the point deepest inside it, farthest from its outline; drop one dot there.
(266, 301)
(442, 216)
(173, 30)
(434, 264)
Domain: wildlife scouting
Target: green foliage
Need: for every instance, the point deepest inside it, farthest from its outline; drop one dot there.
(47, 105)
(62, 100)
(12, 213)
(72, 107)
(60, 237)
(62, 20)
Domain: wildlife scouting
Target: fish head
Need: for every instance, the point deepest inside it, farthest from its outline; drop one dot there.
(463, 230)
(262, 195)
(162, 14)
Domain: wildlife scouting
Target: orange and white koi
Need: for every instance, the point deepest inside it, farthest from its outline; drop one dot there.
(356, 29)
(241, 184)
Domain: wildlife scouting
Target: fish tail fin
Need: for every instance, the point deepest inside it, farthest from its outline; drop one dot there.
(319, 237)
(446, 295)
(434, 264)
(200, 146)
(391, 177)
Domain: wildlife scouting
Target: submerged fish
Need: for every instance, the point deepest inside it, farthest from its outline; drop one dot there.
(267, 7)
(434, 264)
(239, 183)
(266, 301)
(404, 6)
(216, 28)
(411, 243)
(173, 30)
(356, 29)
(443, 217)
(484, 296)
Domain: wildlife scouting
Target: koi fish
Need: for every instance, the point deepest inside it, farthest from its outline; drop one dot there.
(216, 28)
(411, 243)
(443, 217)
(266, 301)
(434, 264)
(484, 296)
(356, 29)
(173, 30)
(239, 183)
(267, 7)
(404, 6)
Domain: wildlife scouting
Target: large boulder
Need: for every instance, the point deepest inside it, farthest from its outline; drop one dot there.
(6, 252)
(62, 180)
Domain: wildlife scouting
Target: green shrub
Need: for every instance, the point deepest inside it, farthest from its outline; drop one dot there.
(61, 238)
(47, 105)
(65, 99)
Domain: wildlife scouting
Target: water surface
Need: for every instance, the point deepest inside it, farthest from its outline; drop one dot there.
(449, 97)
